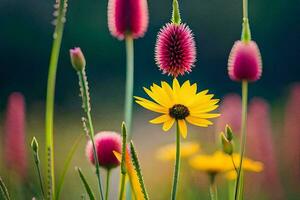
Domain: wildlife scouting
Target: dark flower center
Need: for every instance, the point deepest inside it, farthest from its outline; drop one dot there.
(179, 111)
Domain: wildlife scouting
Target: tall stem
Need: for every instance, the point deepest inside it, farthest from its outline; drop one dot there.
(177, 164)
(122, 188)
(245, 9)
(129, 83)
(243, 135)
(86, 106)
(107, 183)
(213, 188)
(57, 38)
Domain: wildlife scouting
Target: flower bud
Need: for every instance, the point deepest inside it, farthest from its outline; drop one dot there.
(244, 61)
(77, 59)
(106, 143)
(226, 144)
(228, 132)
(34, 145)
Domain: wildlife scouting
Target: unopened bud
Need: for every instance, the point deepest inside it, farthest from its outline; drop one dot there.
(228, 132)
(34, 145)
(77, 59)
(226, 144)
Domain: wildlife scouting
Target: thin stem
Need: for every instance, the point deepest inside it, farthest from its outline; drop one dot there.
(243, 135)
(236, 170)
(37, 164)
(177, 164)
(122, 188)
(57, 38)
(213, 188)
(129, 83)
(245, 9)
(107, 183)
(86, 105)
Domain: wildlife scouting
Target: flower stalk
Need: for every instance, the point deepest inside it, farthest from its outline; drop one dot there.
(123, 161)
(87, 108)
(108, 173)
(243, 140)
(129, 83)
(177, 164)
(213, 188)
(57, 38)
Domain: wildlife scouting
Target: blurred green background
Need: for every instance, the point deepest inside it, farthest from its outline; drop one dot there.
(25, 44)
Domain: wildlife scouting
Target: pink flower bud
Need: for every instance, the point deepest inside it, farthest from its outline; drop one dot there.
(175, 51)
(127, 17)
(244, 61)
(14, 131)
(106, 143)
(77, 59)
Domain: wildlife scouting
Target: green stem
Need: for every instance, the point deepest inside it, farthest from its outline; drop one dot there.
(129, 83)
(177, 164)
(107, 183)
(213, 188)
(245, 9)
(86, 106)
(235, 168)
(56, 45)
(37, 164)
(122, 189)
(243, 135)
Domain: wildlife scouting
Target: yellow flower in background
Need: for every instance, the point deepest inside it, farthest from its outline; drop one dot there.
(168, 152)
(220, 162)
(179, 103)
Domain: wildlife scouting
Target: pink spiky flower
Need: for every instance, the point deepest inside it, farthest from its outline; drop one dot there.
(127, 17)
(244, 61)
(106, 143)
(14, 140)
(175, 51)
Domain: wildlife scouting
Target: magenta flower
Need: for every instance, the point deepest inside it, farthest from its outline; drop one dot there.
(106, 142)
(14, 131)
(127, 16)
(230, 110)
(175, 51)
(244, 61)
(291, 137)
(260, 146)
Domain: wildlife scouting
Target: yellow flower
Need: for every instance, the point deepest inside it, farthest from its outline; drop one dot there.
(220, 162)
(179, 103)
(168, 152)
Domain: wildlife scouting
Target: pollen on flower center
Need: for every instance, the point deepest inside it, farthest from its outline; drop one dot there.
(179, 111)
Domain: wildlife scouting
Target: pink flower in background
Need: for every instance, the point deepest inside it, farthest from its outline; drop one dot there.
(260, 147)
(244, 61)
(291, 136)
(106, 142)
(230, 110)
(14, 135)
(127, 17)
(175, 51)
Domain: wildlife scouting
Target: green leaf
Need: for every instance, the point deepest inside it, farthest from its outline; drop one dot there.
(67, 164)
(3, 191)
(86, 185)
(138, 169)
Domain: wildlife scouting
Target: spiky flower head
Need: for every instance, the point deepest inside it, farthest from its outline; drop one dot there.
(106, 143)
(180, 103)
(175, 51)
(77, 59)
(244, 61)
(127, 17)
(14, 131)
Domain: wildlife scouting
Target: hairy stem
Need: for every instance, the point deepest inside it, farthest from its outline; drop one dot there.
(107, 183)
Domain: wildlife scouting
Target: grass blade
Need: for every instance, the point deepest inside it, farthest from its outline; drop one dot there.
(86, 185)
(3, 191)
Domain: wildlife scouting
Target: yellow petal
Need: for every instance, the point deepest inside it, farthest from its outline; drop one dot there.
(182, 128)
(167, 88)
(168, 124)
(157, 97)
(206, 115)
(198, 121)
(160, 119)
(151, 105)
